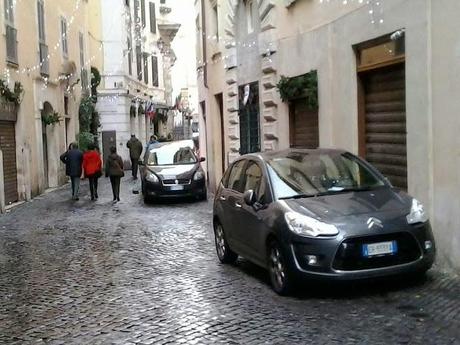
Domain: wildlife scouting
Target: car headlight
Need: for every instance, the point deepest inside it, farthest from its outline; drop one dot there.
(199, 175)
(417, 213)
(151, 177)
(307, 226)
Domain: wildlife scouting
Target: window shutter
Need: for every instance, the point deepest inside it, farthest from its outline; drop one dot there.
(146, 69)
(41, 21)
(130, 57)
(139, 62)
(143, 13)
(153, 21)
(154, 71)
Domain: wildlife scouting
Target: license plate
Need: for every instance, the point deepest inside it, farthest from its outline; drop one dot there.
(381, 248)
(177, 187)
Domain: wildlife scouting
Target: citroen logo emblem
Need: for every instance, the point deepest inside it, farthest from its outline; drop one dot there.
(371, 222)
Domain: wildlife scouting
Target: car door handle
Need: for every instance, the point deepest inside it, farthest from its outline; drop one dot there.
(223, 198)
(238, 205)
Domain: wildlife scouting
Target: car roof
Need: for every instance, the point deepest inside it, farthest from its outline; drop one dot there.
(279, 153)
(182, 143)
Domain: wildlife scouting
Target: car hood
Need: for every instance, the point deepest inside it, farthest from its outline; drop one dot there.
(335, 206)
(174, 171)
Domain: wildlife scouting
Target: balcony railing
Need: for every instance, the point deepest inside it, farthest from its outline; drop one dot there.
(11, 45)
(44, 60)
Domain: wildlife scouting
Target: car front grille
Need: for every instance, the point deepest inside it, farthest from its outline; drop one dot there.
(180, 181)
(349, 257)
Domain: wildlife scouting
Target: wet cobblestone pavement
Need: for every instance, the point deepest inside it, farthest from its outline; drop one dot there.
(95, 273)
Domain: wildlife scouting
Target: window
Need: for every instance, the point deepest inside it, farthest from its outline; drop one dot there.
(139, 62)
(254, 180)
(64, 45)
(153, 22)
(130, 57)
(250, 16)
(215, 22)
(199, 42)
(143, 13)
(146, 68)
(154, 71)
(236, 176)
(41, 21)
(66, 105)
(42, 47)
(84, 73)
(11, 33)
(81, 47)
(249, 118)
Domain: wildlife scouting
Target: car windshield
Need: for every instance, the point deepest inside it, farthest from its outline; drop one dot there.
(174, 153)
(297, 175)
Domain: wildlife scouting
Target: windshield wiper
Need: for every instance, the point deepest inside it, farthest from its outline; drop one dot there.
(298, 196)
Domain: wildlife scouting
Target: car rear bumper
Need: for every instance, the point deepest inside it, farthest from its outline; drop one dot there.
(335, 263)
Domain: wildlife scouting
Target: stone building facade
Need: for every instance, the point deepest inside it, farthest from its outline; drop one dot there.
(136, 79)
(48, 48)
(387, 75)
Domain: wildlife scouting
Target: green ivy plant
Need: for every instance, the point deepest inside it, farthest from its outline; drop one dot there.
(14, 95)
(85, 113)
(305, 85)
(84, 139)
(95, 81)
(51, 119)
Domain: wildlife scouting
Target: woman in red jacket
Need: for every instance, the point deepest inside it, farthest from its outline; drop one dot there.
(92, 167)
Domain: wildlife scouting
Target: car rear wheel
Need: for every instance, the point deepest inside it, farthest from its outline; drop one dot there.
(224, 253)
(279, 272)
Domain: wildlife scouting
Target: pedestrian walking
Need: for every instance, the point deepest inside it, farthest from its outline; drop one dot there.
(114, 170)
(73, 159)
(92, 167)
(135, 150)
(152, 142)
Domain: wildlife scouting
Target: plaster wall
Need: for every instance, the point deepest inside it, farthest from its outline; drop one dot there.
(445, 110)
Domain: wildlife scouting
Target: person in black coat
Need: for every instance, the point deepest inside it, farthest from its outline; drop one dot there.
(114, 170)
(73, 159)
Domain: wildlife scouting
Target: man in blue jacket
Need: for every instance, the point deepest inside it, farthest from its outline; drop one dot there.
(73, 160)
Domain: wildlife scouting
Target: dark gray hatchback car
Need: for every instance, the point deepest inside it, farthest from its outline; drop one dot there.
(319, 214)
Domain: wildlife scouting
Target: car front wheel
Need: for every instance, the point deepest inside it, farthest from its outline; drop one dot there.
(224, 253)
(279, 272)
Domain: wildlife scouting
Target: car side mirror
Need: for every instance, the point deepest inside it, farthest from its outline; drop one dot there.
(202, 159)
(249, 197)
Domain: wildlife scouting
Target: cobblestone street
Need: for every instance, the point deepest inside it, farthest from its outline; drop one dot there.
(95, 273)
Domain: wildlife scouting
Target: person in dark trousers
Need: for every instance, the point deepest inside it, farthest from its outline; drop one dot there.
(135, 150)
(114, 170)
(92, 167)
(73, 159)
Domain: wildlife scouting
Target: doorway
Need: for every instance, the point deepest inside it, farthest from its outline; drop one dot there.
(220, 103)
(47, 110)
(109, 139)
